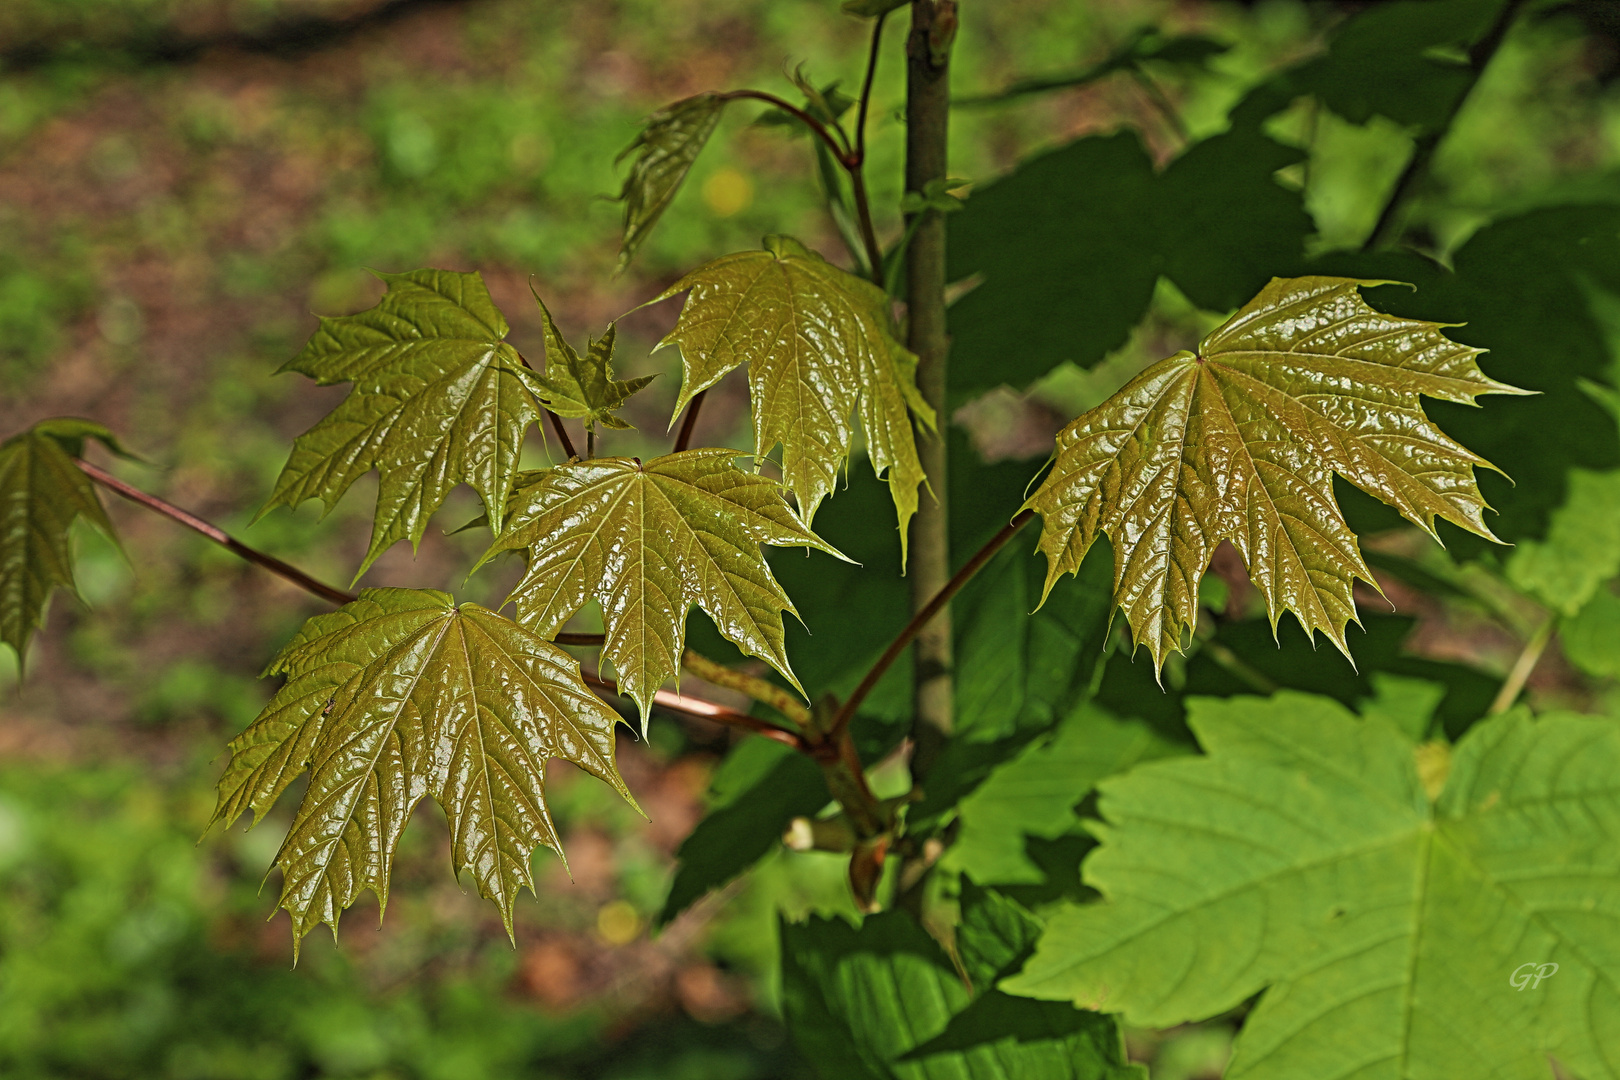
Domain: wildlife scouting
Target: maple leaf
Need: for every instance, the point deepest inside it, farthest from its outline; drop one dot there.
(818, 347)
(1240, 441)
(400, 695)
(583, 389)
(437, 401)
(42, 492)
(665, 150)
(647, 542)
(1392, 914)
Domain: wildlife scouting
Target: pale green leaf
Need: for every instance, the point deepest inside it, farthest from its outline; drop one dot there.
(1303, 858)
(819, 348)
(42, 492)
(582, 389)
(647, 542)
(665, 150)
(1240, 441)
(1592, 638)
(1035, 794)
(1582, 548)
(437, 402)
(402, 695)
(882, 1002)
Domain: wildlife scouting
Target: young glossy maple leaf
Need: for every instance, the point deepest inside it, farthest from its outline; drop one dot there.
(400, 695)
(665, 151)
(818, 347)
(582, 389)
(647, 542)
(42, 492)
(437, 402)
(1240, 441)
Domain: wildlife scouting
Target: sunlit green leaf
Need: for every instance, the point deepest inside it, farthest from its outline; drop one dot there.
(583, 389)
(1036, 793)
(819, 348)
(42, 492)
(437, 402)
(1304, 857)
(665, 150)
(647, 542)
(1240, 441)
(402, 695)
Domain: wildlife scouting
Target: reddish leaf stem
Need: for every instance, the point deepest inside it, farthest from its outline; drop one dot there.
(684, 439)
(708, 710)
(866, 90)
(856, 165)
(840, 151)
(921, 619)
(216, 534)
(562, 434)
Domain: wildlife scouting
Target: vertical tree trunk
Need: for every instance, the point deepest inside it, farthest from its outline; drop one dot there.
(933, 26)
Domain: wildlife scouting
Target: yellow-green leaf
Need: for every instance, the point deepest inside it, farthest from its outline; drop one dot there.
(401, 695)
(665, 151)
(437, 402)
(583, 389)
(647, 542)
(818, 347)
(42, 492)
(1240, 441)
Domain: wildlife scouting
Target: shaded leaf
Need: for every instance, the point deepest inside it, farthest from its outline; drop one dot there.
(665, 150)
(42, 492)
(1582, 548)
(1303, 855)
(1240, 442)
(1390, 61)
(1147, 44)
(401, 695)
(647, 542)
(437, 401)
(1070, 244)
(582, 389)
(858, 1000)
(818, 346)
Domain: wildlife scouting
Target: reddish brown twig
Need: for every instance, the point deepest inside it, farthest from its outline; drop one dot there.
(708, 710)
(216, 534)
(919, 620)
(684, 439)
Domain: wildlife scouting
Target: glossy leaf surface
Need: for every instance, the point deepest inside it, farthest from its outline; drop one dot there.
(1304, 855)
(582, 388)
(883, 1002)
(1241, 441)
(402, 695)
(437, 402)
(819, 348)
(647, 542)
(42, 492)
(664, 153)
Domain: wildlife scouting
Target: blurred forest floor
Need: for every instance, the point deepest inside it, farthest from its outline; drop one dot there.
(183, 182)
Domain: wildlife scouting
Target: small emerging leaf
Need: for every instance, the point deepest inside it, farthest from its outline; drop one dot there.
(42, 491)
(647, 542)
(437, 402)
(1240, 441)
(665, 151)
(399, 695)
(583, 389)
(818, 347)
